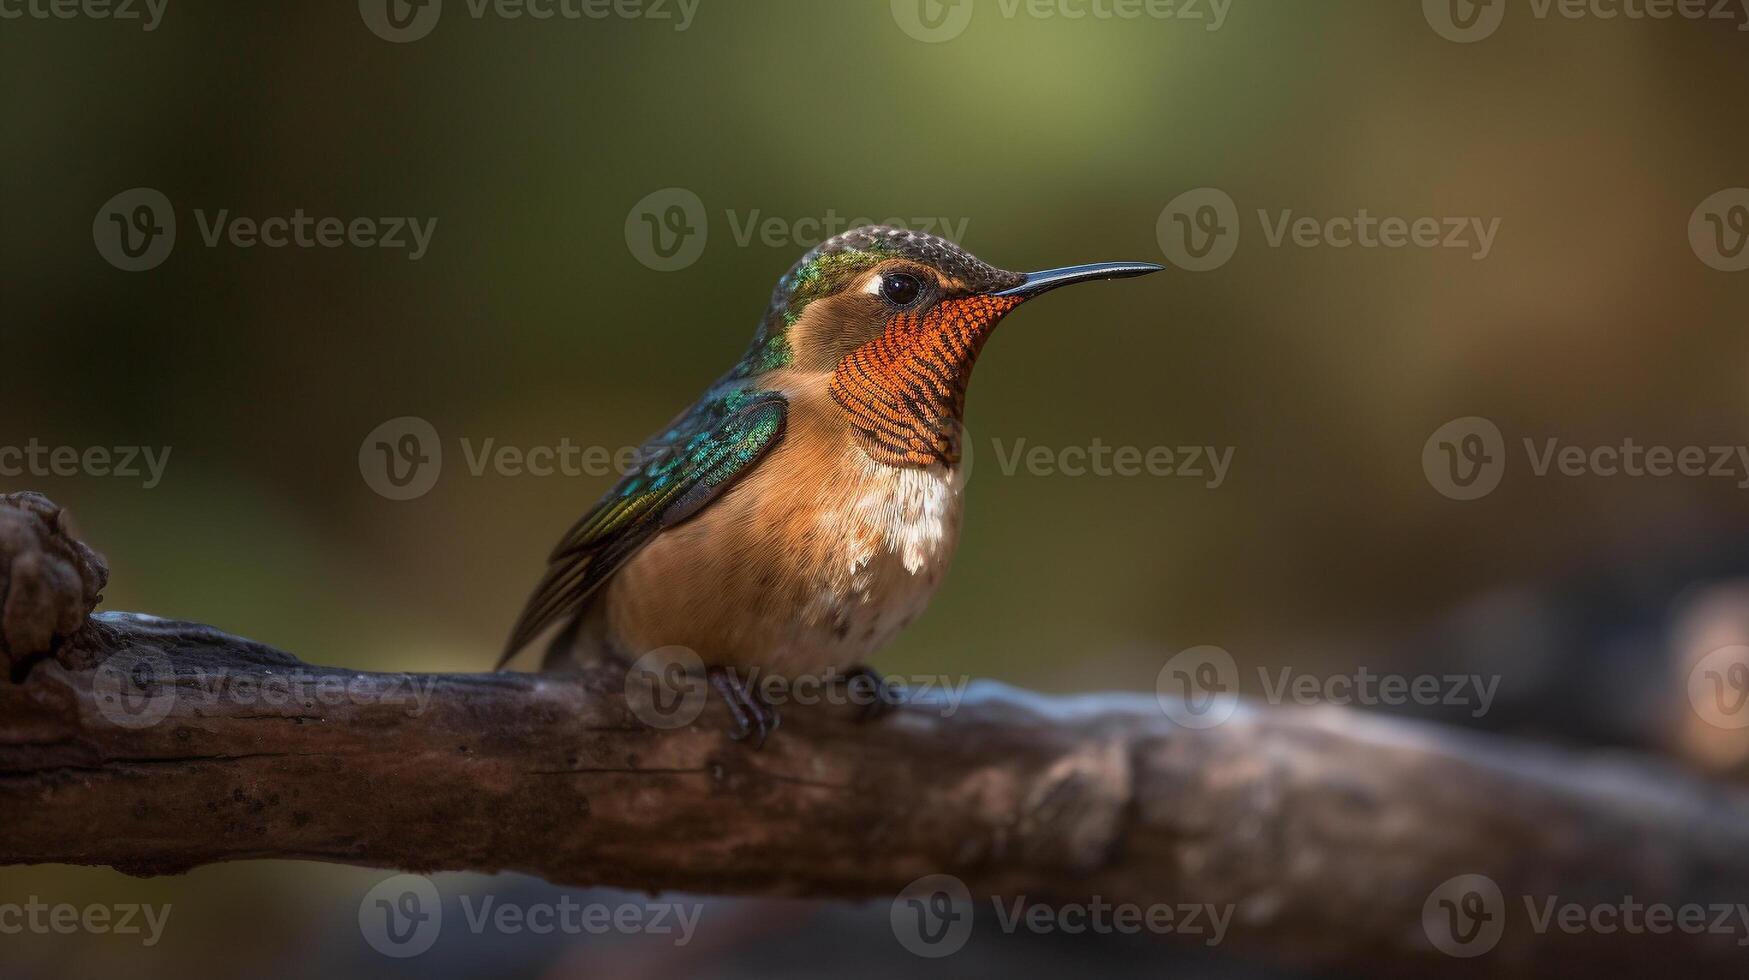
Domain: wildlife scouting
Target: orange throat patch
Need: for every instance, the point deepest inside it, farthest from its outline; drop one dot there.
(905, 391)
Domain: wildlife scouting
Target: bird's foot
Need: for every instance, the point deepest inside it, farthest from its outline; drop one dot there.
(874, 693)
(753, 717)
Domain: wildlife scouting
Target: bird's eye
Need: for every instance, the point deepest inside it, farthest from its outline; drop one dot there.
(900, 288)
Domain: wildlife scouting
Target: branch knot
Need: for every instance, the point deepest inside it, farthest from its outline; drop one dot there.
(49, 580)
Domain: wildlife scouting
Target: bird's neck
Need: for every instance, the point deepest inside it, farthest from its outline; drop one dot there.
(904, 392)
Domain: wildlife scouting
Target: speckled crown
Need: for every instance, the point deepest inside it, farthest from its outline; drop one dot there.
(884, 242)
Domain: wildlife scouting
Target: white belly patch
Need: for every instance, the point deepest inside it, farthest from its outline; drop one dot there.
(886, 542)
(903, 512)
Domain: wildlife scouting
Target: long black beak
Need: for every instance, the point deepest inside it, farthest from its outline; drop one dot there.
(1043, 282)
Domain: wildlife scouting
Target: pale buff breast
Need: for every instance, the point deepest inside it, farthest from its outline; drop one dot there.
(813, 561)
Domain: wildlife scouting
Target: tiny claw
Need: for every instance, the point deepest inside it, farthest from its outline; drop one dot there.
(752, 718)
(765, 718)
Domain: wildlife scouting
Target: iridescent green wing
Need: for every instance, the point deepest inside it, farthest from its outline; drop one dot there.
(704, 452)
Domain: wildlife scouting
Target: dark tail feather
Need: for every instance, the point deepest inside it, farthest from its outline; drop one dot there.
(562, 593)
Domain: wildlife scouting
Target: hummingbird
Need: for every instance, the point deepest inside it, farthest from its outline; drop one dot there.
(803, 511)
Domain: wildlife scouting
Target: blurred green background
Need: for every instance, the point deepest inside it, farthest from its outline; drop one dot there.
(1054, 140)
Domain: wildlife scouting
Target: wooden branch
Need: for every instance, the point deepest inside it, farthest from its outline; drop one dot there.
(155, 746)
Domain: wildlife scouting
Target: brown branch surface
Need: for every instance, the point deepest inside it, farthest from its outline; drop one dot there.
(155, 746)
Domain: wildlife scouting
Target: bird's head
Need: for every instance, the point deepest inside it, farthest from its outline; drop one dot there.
(897, 319)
